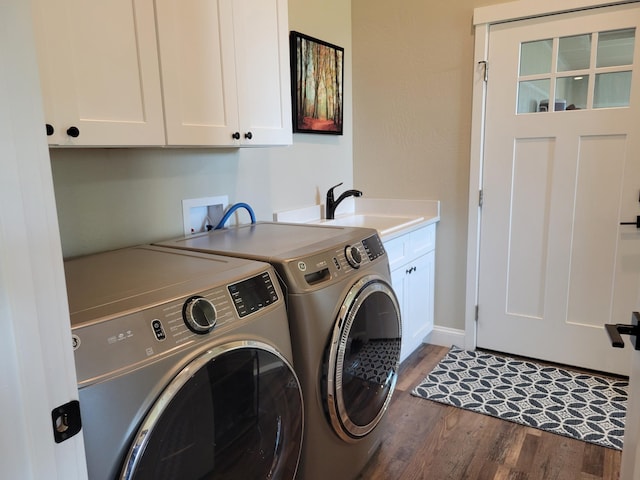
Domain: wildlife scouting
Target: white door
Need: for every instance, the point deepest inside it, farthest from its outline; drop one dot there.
(558, 178)
(630, 469)
(38, 370)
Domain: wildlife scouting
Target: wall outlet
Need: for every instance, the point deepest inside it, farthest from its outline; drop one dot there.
(197, 213)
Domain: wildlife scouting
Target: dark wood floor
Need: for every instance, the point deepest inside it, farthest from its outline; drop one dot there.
(426, 440)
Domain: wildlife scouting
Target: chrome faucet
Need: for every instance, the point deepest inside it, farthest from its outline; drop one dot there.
(332, 204)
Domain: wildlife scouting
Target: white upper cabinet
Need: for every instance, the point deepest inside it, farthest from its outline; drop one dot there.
(169, 72)
(225, 72)
(262, 67)
(198, 71)
(99, 72)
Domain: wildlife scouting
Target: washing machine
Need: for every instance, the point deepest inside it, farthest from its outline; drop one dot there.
(346, 331)
(184, 366)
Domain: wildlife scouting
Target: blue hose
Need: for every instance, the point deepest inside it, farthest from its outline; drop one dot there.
(230, 211)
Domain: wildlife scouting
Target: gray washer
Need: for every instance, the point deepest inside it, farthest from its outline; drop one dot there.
(161, 397)
(345, 325)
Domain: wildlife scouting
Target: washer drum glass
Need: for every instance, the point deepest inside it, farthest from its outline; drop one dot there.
(234, 412)
(363, 358)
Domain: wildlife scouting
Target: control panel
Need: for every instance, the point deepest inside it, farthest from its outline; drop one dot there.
(331, 265)
(109, 346)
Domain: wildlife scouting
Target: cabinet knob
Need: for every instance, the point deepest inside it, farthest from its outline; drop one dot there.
(248, 135)
(49, 129)
(235, 135)
(73, 132)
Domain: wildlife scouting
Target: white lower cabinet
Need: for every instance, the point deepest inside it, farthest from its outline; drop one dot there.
(412, 262)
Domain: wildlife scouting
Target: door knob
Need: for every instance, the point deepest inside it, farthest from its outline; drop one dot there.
(615, 332)
(636, 223)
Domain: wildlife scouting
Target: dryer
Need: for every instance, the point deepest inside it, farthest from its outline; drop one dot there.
(184, 366)
(345, 324)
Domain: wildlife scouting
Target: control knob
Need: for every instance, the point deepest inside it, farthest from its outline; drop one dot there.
(353, 256)
(199, 314)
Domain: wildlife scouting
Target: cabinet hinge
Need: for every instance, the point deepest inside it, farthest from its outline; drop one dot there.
(480, 198)
(485, 74)
(477, 309)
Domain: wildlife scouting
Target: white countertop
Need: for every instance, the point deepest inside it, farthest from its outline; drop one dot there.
(390, 217)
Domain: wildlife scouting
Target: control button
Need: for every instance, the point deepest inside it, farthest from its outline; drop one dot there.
(75, 341)
(158, 330)
(353, 256)
(199, 314)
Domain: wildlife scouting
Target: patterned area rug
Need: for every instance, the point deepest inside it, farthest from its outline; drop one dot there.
(586, 407)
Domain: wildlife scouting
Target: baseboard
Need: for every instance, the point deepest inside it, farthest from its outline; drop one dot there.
(446, 337)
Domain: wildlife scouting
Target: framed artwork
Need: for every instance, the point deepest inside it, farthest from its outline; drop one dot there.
(317, 74)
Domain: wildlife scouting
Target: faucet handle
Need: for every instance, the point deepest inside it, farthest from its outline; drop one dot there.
(330, 193)
(335, 186)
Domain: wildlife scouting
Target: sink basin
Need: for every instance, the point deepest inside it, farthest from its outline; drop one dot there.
(384, 224)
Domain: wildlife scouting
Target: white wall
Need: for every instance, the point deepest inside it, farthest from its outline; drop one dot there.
(110, 198)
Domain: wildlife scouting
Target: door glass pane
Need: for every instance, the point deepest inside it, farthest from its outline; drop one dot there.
(612, 90)
(531, 93)
(574, 53)
(571, 93)
(535, 57)
(615, 48)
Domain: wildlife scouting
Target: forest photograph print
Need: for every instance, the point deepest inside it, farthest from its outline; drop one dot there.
(316, 85)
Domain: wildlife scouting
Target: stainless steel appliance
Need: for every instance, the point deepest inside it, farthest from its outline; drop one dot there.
(184, 366)
(345, 325)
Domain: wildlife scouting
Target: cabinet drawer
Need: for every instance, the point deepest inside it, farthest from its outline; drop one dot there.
(423, 240)
(397, 251)
(405, 248)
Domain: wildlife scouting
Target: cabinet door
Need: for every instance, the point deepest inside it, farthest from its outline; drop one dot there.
(399, 280)
(99, 72)
(196, 43)
(420, 292)
(262, 56)
(414, 287)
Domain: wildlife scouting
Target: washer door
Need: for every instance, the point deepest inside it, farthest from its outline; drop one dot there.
(234, 412)
(363, 357)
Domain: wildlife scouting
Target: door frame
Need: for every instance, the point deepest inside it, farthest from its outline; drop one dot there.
(483, 19)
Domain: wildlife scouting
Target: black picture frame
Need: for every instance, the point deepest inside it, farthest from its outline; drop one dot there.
(317, 85)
